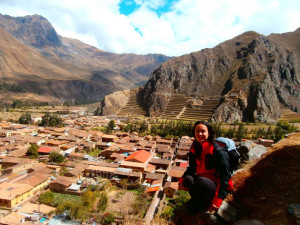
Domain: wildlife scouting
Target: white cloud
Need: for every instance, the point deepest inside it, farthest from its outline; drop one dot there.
(189, 25)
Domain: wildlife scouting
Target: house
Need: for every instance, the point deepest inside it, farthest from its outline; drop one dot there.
(37, 180)
(56, 143)
(170, 188)
(109, 138)
(161, 163)
(142, 143)
(60, 184)
(76, 173)
(129, 174)
(44, 150)
(20, 152)
(12, 194)
(176, 174)
(96, 171)
(182, 154)
(11, 161)
(137, 160)
(141, 156)
(154, 187)
(21, 167)
(164, 142)
(150, 177)
(13, 218)
(30, 208)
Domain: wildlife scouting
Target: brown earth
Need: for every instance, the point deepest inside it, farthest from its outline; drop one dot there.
(120, 202)
(265, 188)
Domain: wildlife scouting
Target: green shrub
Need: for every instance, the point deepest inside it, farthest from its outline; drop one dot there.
(32, 151)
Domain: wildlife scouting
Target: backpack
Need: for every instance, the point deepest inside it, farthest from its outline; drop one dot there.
(234, 155)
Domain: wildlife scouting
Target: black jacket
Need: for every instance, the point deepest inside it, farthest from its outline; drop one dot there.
(219, 160)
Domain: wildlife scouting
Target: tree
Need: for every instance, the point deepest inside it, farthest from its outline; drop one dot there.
(56, 157)
(32, 151)
(182, 197)
(50, 120)
(124, 183)
(143, 127)
(103, 201)
(108, 218)
(111, 125)
(25, 118)
(241, 132)
(87, 198)
(17, 103)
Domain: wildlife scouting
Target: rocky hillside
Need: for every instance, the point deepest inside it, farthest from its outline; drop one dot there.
(251, 74)
(266, 189)
(38, 60)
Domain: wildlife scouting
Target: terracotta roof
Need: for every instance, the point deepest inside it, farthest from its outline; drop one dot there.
(13, 218)
(177, 168)
(173, 185)
(34, 179)
(133, 164)
(139, 156)
(155, 186)
(154, 176)
(102, 168)
(130, 174)
(31, 208)
(160, 161)
(66, 181)
(44, 149)
(175, 173)
(9, 190)
(184, 164)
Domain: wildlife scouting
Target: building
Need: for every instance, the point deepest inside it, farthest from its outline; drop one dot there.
(170, 188)
(11, 194)
(60, 184)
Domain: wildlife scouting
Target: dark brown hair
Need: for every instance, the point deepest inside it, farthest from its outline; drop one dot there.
(211, 133)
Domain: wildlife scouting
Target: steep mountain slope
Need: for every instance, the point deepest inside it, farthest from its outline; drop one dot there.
(76, 70)
(251, 75)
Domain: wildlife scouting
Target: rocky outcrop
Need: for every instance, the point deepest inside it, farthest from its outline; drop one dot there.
(260, 72)
(250, 151)
(111, 103)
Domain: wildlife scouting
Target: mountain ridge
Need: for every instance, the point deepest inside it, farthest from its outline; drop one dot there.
(85, 67)
(262, 71)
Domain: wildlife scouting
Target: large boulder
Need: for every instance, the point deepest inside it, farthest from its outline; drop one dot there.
(250, 151)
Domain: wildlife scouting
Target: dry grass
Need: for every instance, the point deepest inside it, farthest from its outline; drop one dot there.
(264, 190)
(120, 202)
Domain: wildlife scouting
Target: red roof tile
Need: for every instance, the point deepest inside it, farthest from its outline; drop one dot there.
(185, 164)
(139, 156)
(44, 149)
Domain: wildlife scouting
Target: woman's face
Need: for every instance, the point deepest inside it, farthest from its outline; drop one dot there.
(201, 133)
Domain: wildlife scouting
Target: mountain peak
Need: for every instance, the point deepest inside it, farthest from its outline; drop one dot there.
(32, 30)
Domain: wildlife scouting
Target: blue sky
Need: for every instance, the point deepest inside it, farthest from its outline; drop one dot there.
(170, 27)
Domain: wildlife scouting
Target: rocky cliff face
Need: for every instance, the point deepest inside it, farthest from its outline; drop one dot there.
(31, 30)
(260, 72)
(112, 103)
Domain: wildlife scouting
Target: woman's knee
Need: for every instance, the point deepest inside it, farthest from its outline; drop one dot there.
(188, 181)
(205, 183)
